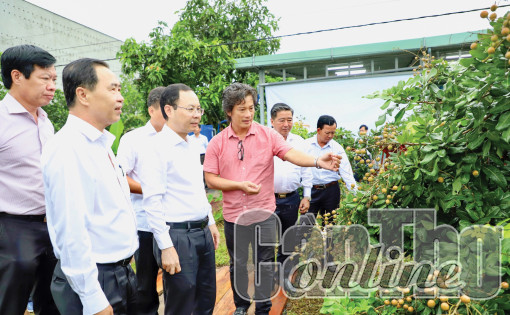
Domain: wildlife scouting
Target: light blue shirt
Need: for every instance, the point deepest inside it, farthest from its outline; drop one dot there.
(323, 176)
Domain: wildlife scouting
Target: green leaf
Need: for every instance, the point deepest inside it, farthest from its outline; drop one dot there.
(466, 62)
(457, 185)
(429, 157)
(506, 135)
(386, 104)
(486, 147)
(503, 122)
(476, 142)
(116, 129)
(381, 120)
(495, 175)
(399, 115)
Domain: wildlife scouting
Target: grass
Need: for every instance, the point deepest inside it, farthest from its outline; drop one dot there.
(303, 306)
(222, 258)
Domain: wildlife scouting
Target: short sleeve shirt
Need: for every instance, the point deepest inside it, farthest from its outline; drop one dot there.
(222, 158)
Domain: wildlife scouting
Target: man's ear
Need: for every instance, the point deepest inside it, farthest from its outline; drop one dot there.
(168, 110)
(16, 76)
(81, 95)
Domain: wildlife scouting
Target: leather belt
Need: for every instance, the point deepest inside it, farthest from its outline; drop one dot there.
(123, 262)
(188, 225)
(284, 195)
(324, 186)
(31, 217)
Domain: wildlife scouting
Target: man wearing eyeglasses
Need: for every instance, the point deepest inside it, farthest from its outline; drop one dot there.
(239, 161)
(178, 212)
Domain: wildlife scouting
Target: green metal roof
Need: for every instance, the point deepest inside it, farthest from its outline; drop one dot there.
(357, 50)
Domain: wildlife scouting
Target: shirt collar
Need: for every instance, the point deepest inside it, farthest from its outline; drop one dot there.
(316, 142)
(15, 107)
(173, 137)
(252, 131)
(90, 131)
(150, 128)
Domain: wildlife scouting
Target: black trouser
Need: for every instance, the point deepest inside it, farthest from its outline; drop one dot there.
(287, 209)
(193, 290)
(325, 200)
(239, 237)
(26, 262)
(118, 283)
(146, 275)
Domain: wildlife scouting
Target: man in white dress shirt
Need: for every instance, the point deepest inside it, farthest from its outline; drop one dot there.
(199, 142)
(26, 254)
(178, 212)
(325, 189)
(91, 222)
(289, 177)
(130, 146)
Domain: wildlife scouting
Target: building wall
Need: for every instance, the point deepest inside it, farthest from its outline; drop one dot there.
(24, 23)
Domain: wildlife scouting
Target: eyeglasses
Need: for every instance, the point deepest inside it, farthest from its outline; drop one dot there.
(191, 110)
(240, 153)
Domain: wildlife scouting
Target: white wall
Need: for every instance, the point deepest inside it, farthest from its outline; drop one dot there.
(24, 23)
(340, 98)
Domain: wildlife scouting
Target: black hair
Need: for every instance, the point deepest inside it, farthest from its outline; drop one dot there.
(170, 96)
(363, 126)
(278, 107)
(23, 58)
(235, 94)
(325, 120)
(155, 96)
(80, 73)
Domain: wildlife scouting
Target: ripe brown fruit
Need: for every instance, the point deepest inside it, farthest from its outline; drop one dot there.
(375, 197)
(388, 201)
(431, 303)
(508, 38)
(493, 16)
(507, 55)
(505, 31)
(494, 38)
(445, 306)
(491, 50)
(394, 188)
(475, 172)
(394, 302)
(440, 179)
(494, 7)
(484, 14)
(465, 299)
(504, 285)
(443, 299)
(386, 302)
(473, 46)
(410, 309)
(409, 299)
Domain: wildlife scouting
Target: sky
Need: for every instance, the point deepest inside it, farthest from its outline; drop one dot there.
(122, 20)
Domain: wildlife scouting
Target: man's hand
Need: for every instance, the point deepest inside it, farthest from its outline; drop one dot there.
(250, 188)
(329, 161)
(215, 235)
(304, 205)
(170, 260)
(107, 311)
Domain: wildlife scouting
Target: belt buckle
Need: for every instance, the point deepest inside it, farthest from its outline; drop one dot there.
(281, 196)
(321, 186)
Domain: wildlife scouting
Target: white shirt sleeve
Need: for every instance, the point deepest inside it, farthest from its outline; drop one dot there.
(69, 198)
(153, 173)
(345, 170)
(125, 154)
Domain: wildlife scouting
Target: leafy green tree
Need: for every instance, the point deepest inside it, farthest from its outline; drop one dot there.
(199, 50)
